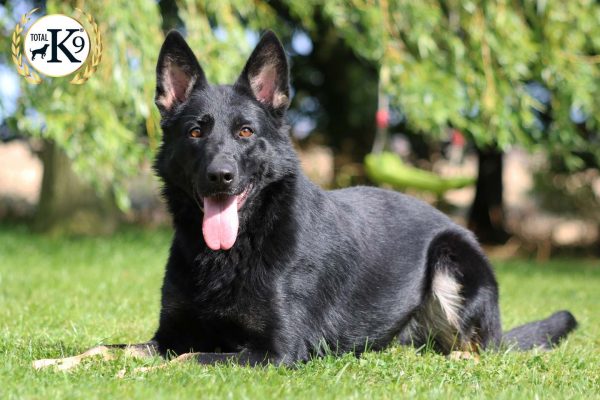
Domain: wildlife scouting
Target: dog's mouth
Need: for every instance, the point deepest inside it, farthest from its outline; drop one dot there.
(221, 219)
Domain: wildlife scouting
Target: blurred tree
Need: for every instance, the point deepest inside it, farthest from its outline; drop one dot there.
(109, 126)
(97, 124)
(69, 205)
(344, 86)
(470, 65)
(465, 64)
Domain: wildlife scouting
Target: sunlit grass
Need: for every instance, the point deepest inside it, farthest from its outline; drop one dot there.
(60, 296)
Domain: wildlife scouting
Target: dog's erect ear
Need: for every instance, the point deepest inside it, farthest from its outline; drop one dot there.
(177, 73)
(266, 73)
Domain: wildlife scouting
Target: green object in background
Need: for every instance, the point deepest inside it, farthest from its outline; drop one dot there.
(388, 168)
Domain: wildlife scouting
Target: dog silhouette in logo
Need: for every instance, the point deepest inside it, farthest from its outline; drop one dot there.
(41, 51)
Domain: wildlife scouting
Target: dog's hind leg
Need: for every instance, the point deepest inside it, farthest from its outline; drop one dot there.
(459, 313)
(107, 352)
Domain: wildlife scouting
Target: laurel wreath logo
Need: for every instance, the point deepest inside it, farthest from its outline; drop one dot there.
(96, 56)
(33, 77)
(22, 68)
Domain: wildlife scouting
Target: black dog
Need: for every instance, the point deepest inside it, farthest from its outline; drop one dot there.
(267, 267)
(41, 51)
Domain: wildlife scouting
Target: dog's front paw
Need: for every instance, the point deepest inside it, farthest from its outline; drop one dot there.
(61, 364)
(464, 355)
(64, 364)
(44, 363)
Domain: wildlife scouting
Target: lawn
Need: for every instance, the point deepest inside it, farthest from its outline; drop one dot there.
(60, 296)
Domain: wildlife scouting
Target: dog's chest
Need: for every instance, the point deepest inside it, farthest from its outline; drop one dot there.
(234, 288)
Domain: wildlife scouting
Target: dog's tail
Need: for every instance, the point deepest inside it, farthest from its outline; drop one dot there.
(541, 334)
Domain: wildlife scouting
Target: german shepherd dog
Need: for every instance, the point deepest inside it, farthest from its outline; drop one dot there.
(266, 267)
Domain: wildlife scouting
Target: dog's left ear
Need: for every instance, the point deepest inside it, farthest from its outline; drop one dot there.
(266, 73)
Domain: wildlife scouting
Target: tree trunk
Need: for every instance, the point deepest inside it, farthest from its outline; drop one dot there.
(68, 205)
(486, 217)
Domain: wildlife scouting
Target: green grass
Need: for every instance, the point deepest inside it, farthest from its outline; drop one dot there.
(60, 296)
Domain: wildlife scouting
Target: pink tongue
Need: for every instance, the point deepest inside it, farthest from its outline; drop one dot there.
(220, 223)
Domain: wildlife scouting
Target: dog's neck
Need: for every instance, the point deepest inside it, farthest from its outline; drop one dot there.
(267, 239)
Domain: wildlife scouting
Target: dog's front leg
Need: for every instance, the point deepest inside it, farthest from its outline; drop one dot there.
(245, 357)
(107, 352)
(250, 358)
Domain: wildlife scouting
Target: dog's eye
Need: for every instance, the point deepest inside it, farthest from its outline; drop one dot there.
(246, 132)
(195, 133)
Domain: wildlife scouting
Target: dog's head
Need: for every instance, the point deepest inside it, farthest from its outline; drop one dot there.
(220, 142)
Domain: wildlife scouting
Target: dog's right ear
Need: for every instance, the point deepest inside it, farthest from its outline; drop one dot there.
(177, 73)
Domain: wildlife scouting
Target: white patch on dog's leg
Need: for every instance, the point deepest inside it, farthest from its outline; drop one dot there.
(446, 290)
(439, 318)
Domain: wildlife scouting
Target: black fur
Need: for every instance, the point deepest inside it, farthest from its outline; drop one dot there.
(543, 333)
(310, 269)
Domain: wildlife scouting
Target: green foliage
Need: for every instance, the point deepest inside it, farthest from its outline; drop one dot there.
(467, 63)
(459, 63)
(109, 125)
(60, 296)
(222, 56)
(98, 123)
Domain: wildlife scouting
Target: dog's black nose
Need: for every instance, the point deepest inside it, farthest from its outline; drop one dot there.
(221, 175)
